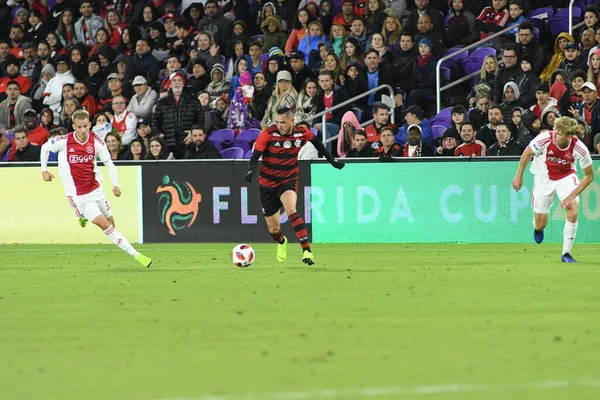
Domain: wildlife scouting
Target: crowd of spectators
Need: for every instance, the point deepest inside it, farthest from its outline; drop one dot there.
(158, 77)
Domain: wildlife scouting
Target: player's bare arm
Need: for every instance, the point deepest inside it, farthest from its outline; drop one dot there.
(47, 176)
(517, 182)
(588, 177)
(117, 191)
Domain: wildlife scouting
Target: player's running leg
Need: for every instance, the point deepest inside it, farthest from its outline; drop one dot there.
(288, 199)
(539, 223)
(569, 233)
(119, 240)
(274, 226)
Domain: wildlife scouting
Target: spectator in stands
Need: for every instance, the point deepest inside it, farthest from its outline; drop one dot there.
(218, 85)
(593, 72)
(115, 147)
(186, 39)
(346, 17)
(158, 149)
(414, 146)
(309, 44)
(349, 81)
(12, 109)
(571, 100)
(404, 59)
(358, 31)
(36, 134)
(361, 146)
(301, 21)
(13, 74)
(373, 76)
(345, 141)
(378, 43)
(542, 94)
(352, 53)
(176, 113)
(511, 100)
(561, 83)
(284, 96)
(508, 73)
(307, 101)
(86, 101)
(516, 126)
(260, 98)
(584, 133)
(25, 150)
(43, 56)
(516, 18)
(144, 62)
(487, 132)
(505, 145)
(199, 79)
(423, 76)
(589, 111)
(558, 57)
(461, 25)
(53, 90)
(69, 106)
(28, 66)
(414, 116)
(240, 35)
(4, 56)
(392, 32)
(572, 60)
(527, 81)
(204, 99)
(144, 132)
(215, 23)
(137, 149)
(274, 36)
(47, 119)
(533, 125)
(470, 146)
(587, 42)
(590, 17)
(528, 46)
(144, 99)
(375, 16)
(87, 26)
(207, 50)
(241, 66)
(124, 122)
(459, 116)
(37, 91)
(479, 115)
(493, 19)
(17, 34)
(425, 30)
(423, 8)
(549, 115)
(95, 78)
(200, 148)
(337, 38)
(330, 96)
(450, 141)
(114, 88)
(388, 148)
(381, 119)
(300, 72)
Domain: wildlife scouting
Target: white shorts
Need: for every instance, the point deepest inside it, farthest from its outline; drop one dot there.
(545, 189)
(91, 205)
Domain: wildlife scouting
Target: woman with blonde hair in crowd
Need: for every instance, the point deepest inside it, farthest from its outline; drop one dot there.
(284, 96)
(115, 146)
(70, 105)
(332, 64)
(489, 68)
(337, 38)
(593, 73)
(113, 22)
(391, 32)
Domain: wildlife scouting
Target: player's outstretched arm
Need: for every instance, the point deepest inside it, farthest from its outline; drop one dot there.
(252, 165)
(517, 182)
(44, 152)
(104, 156)
(321, 148)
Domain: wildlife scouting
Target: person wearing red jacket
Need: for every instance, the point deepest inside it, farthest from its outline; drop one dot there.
(470, 146)
(13, 74)
(86, 100)
(493, 18)
(36, 135)
(346, 17)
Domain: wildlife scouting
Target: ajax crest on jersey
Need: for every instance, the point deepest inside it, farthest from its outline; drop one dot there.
(243, 255)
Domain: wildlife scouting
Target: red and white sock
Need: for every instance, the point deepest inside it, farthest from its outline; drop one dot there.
(120, 240)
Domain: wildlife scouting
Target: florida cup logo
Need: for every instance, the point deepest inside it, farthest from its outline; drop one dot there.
(177, 204)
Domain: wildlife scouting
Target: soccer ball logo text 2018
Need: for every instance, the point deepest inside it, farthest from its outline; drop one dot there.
(177, 204)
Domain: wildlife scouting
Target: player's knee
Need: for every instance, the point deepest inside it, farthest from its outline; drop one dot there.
(101, 222)
(572, 215)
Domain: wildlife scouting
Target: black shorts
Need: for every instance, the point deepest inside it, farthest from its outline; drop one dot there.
(270, 198)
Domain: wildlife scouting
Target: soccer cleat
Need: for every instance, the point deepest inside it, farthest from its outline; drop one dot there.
(538, 236)
(282, 250)
(142, 259)
(567, 257)
(308, 257)
(83, 221)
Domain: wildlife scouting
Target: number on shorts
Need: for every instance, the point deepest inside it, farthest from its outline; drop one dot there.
(575, 180)
(107, 206)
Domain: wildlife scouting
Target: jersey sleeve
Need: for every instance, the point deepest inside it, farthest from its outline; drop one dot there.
(262, 141)
(101, 150)
(56, 144)
(582, 154)
(538, 143)
(308, 135)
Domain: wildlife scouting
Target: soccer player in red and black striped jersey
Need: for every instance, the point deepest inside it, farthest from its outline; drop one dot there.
(279, 146)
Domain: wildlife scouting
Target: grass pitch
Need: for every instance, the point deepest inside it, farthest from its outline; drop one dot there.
(377, 321)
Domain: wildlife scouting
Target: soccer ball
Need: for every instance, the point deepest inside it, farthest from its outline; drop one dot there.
(243, 255)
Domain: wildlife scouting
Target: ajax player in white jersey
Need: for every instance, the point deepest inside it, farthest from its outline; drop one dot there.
(555, 154)
(77, 153)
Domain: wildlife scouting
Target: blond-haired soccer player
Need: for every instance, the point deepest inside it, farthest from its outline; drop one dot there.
(555, 154)
(77, 153)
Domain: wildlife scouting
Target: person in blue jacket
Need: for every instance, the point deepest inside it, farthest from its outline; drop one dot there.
(413, 115)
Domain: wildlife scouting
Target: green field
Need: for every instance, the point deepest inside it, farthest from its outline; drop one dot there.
(376, 321)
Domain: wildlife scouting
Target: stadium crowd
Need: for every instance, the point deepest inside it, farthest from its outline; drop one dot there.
(163, 79)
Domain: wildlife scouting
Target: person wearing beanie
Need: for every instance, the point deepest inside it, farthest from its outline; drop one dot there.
(527, 80)
(13, 73)
(95, 78)
(426, 31)
(346, 17)
(533, 125)
(449, 143)
(423, 76)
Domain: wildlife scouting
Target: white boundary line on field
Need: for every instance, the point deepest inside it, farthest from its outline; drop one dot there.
(398, 391)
